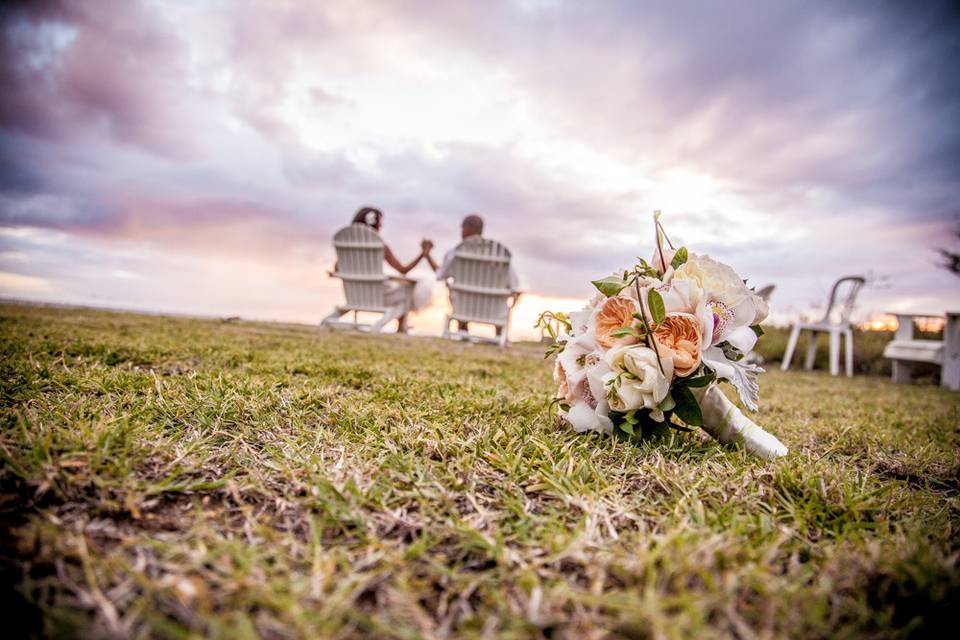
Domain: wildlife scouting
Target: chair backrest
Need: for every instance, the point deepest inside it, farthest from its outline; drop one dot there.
(360, 266)
(843, 297)
(480, 275)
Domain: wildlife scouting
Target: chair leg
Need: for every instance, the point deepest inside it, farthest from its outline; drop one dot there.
(333, 317)
(811, 351)
(902, 372)
(791, 346)
(446, 328)
(834, 353)
(950, 372)
(848, 351)
(393, 314)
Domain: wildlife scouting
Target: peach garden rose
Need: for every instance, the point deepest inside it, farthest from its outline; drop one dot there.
(679, 334)
(615, 313)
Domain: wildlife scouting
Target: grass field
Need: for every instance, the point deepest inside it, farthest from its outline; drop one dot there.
(167, 477)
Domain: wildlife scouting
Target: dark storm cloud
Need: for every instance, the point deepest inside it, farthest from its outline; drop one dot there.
(111, 68)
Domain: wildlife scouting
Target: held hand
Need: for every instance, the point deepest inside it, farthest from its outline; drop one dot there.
(425, 246)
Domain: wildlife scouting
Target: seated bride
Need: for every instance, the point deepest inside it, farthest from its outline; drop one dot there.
(397, 291)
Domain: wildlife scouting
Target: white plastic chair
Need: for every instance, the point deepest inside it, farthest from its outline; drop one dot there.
(835, 322)
(479, 284)
(360, 267)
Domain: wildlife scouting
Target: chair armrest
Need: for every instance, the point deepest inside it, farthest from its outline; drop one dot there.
(905, 327)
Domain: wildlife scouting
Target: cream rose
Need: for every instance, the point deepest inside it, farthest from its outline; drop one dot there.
(679, 335)
(635, 380)
(721, 281)
(680, 296)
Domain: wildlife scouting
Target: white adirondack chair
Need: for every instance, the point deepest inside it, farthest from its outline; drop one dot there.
(835, 322)
(479, 284)
(360, 267)
(905, 350)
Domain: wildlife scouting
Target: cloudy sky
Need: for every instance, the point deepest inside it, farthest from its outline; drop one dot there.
(196, 157)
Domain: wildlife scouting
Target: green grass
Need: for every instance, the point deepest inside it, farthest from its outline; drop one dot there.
(167, 477)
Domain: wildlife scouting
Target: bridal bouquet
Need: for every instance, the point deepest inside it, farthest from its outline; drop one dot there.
(652, 345)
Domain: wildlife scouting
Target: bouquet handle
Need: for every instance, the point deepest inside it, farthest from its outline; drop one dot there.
(725, 422)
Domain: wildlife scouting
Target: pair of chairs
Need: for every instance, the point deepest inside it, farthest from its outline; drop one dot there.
(478, 283)
(905, 350)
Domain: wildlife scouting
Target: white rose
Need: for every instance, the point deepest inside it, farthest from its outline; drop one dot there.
(635, 380)
(720, 281)
(681, 296)
(583, 417)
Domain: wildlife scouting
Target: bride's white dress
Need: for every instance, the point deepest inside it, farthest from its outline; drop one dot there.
(423, 290)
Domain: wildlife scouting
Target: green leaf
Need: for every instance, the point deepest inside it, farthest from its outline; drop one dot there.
(667, 404)
(757, 329)
(610, 286)
(679, 257)
(623, 332)
(657, 309)
(700, 381)
(554, 349)
(627, 427)
(687, 409)
(730, 351)
(644, 269)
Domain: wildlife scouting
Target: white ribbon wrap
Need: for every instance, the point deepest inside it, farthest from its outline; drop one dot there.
(725, 422)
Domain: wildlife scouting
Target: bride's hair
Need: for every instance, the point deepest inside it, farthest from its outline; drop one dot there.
(369, 216)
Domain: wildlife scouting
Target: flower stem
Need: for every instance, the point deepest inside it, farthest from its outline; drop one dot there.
(660, 229)
(651, 342)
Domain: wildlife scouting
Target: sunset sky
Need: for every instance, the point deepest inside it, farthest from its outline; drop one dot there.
(196, 157)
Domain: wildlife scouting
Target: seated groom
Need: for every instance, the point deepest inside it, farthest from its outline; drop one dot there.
(472, 226)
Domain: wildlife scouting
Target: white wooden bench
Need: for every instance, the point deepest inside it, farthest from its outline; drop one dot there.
(905, 350)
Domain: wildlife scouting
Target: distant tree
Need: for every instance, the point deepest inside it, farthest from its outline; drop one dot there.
(951, 260)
